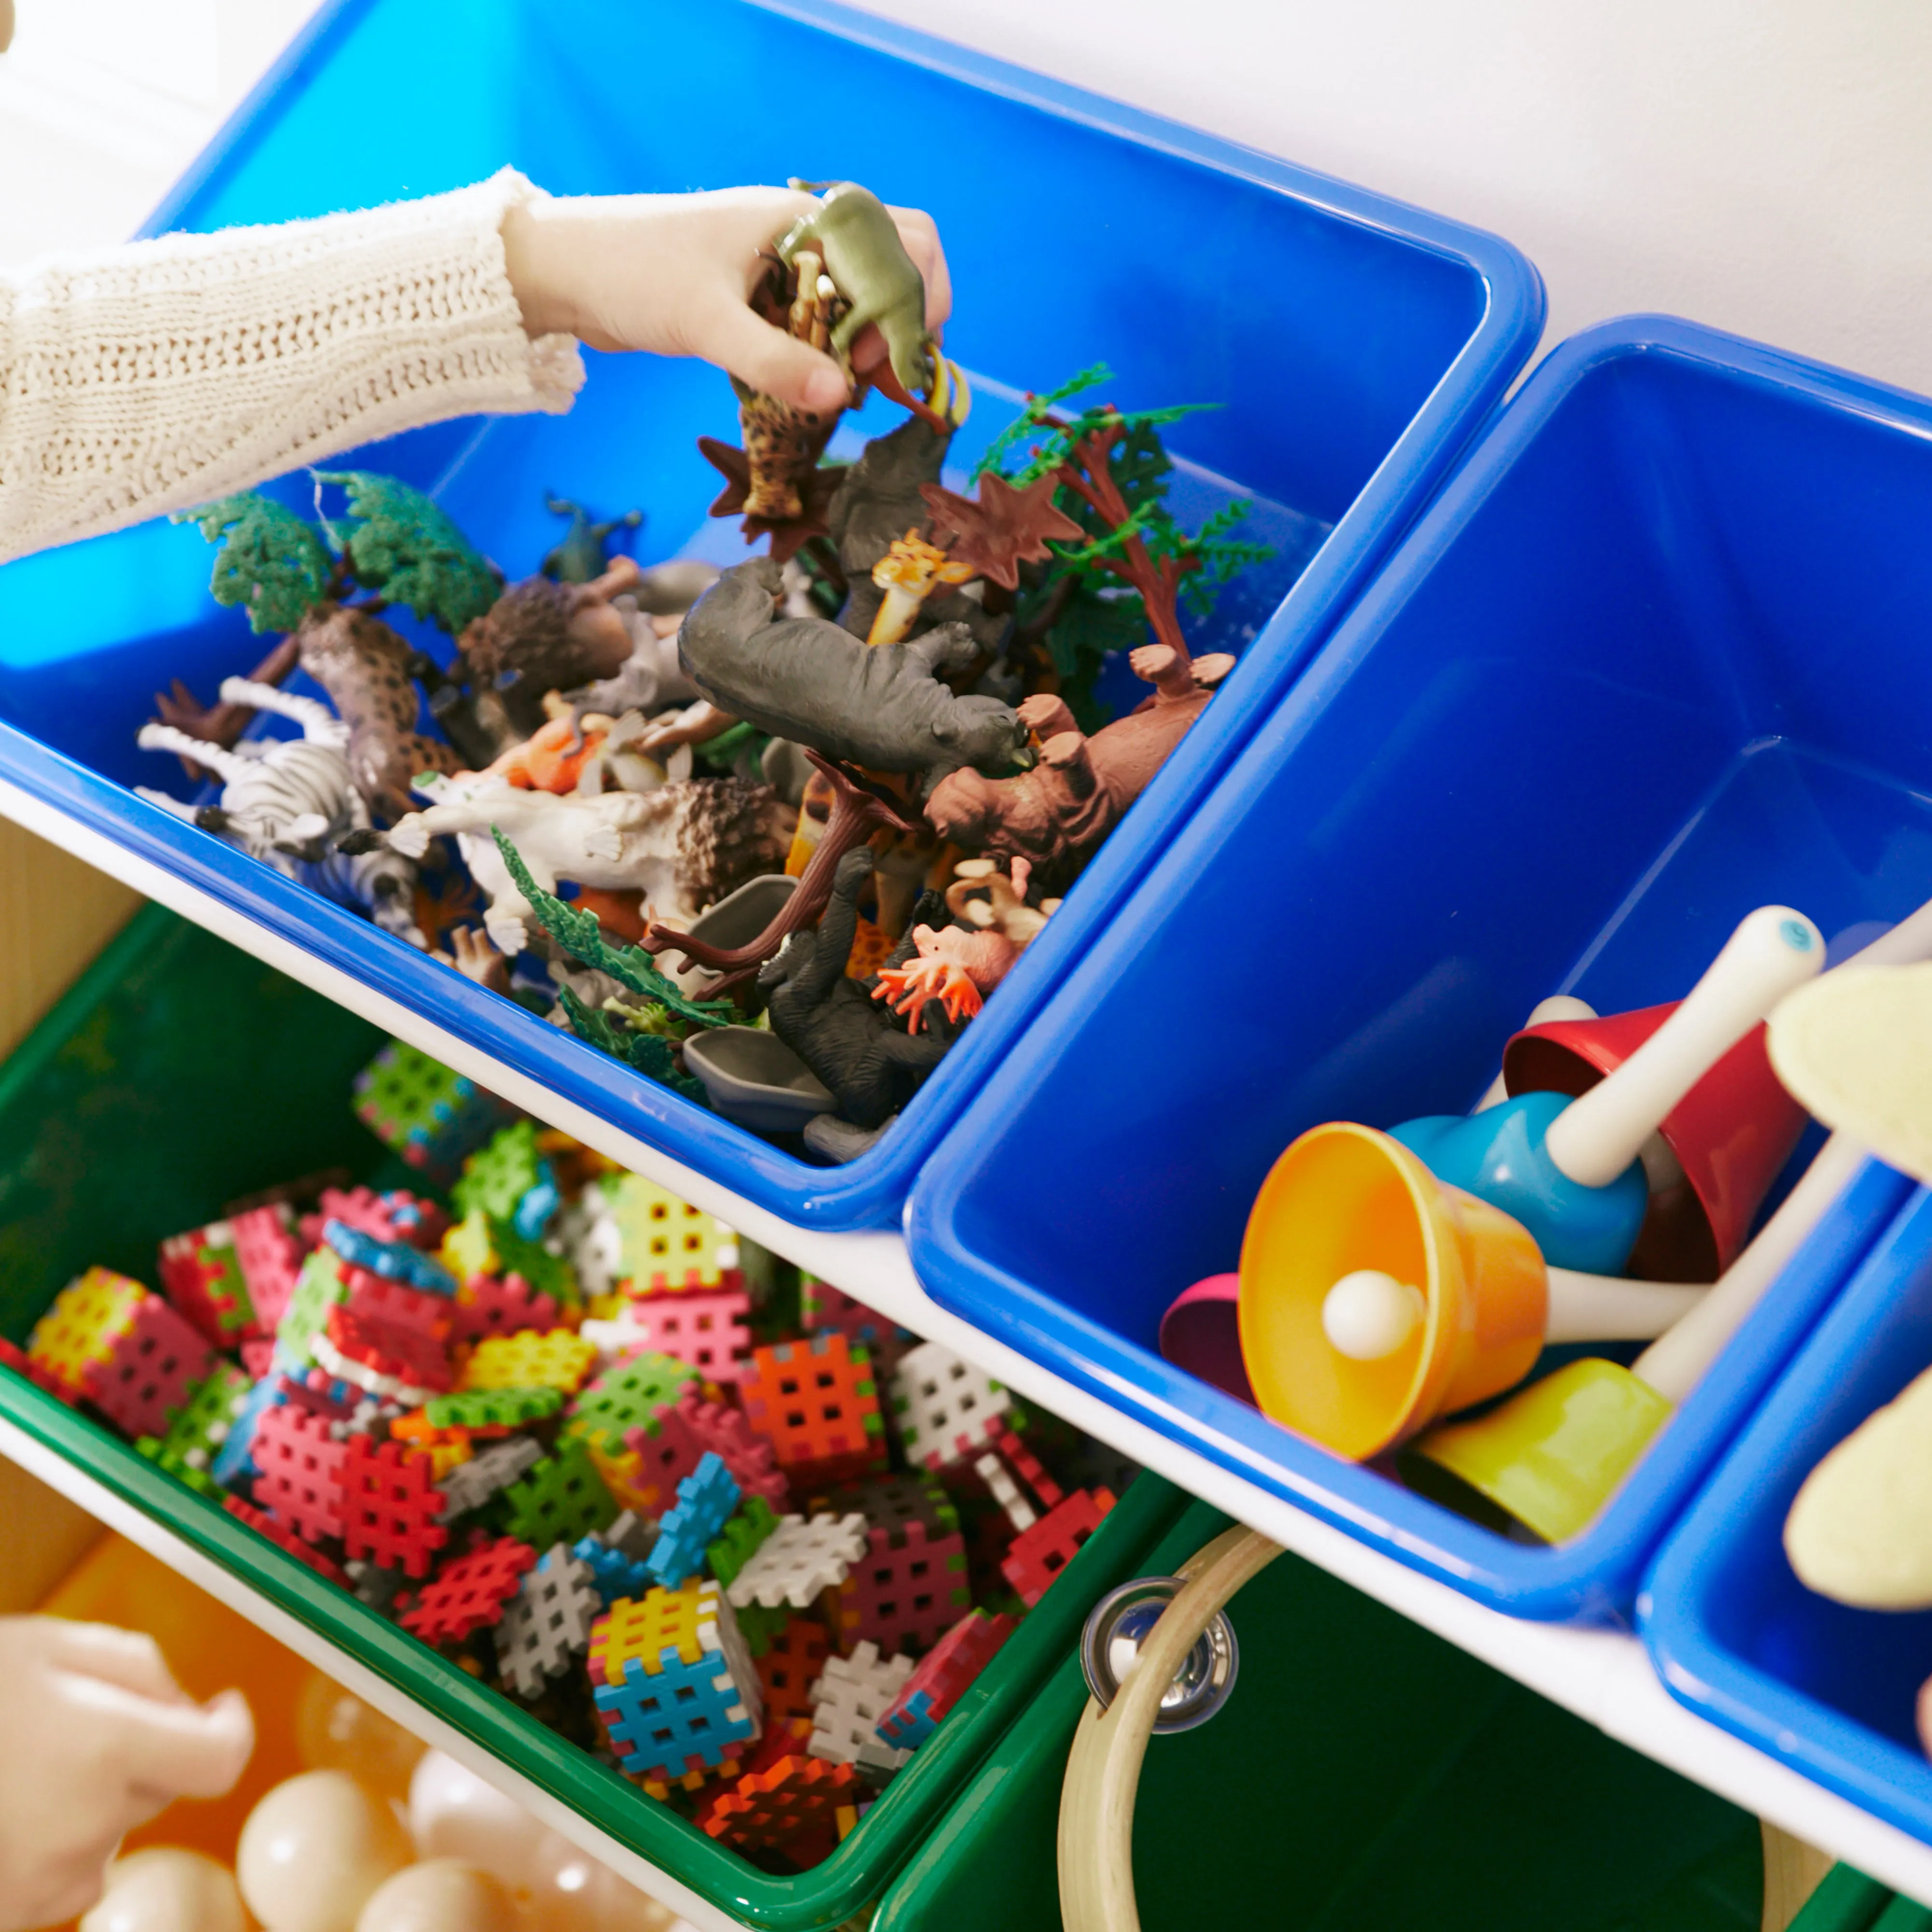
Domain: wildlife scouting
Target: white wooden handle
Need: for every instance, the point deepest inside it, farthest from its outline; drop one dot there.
(1103, 1770)
(1594, 1138)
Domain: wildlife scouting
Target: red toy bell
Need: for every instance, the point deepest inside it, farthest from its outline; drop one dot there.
(1731, 1134)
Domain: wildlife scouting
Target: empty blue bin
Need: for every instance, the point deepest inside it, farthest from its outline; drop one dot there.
(1355, 345)
(1655, 656)
(1733, 1633)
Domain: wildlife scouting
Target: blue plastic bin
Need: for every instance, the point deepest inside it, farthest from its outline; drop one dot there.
(1355, 343)
(1657, 655)
(1733, 1633)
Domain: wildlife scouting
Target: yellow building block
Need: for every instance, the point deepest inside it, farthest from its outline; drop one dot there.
(669, 1246)
(624, 1477)
(665, 1620)
(467, 1248)
(87, 1317)
(552, 1358)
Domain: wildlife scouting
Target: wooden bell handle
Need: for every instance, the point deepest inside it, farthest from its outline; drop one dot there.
(1103, 1771)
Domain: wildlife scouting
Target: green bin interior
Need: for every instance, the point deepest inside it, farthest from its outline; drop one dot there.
(178, 1074)
(1365, 1776)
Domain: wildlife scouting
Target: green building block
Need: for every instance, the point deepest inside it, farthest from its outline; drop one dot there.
(751, 1523)
(418, 1108)
(318, 1288)
(198, 1429)
(482, 1243)
(500, 1172)
(562, 1498)
(492, 1408)
(629, 1395)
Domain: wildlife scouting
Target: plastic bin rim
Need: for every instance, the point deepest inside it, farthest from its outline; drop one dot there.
(1516, 297)
(1698, 1672)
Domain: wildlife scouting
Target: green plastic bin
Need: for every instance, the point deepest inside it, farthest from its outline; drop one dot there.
(178, 1074)
(1364, 1777)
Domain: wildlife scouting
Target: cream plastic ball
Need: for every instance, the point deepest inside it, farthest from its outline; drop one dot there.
(314, 1850)
(336, 1731)
(454, 1814)
(168, 1888)
(579, 1895)
(442, 1895)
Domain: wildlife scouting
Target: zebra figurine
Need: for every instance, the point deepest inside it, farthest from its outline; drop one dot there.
(289, 802)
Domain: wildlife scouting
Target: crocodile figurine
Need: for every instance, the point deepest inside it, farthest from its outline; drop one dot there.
(582, 555)
(853, 233)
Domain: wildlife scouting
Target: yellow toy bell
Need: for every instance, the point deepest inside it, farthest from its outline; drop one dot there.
(1345, 1200)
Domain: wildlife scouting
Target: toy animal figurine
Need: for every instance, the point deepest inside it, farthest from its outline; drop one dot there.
(581, 557)
(1056, 815)
(650, 680)
(803, 678)
(955, 965)
(290, 803)
(856, 815)
(852, 231)
(540, 637)
(682, 846)
(832, 1023)
(365, 668)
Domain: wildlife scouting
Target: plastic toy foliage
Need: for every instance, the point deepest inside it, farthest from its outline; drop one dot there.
(399, 544)
(1091, 598)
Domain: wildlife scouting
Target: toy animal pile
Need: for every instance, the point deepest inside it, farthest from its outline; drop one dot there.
(828, 796)
(573, 1433)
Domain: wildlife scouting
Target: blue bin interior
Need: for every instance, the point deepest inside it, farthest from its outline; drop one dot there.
(1352, 345)
(1655, 657)
(1734, 1633)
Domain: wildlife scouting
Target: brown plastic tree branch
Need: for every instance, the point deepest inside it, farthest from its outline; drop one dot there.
(856, 815)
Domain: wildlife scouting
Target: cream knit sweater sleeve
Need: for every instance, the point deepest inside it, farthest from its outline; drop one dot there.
(162, 374)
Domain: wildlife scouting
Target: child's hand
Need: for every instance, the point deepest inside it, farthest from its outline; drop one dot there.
(672, 273)
(98, 1738)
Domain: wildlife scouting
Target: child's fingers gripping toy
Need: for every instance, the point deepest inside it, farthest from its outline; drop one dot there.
(600, 1453)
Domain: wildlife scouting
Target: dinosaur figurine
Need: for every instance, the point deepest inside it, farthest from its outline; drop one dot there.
(866, 1059)
(581, 557)
(882, 708)
(852, 232)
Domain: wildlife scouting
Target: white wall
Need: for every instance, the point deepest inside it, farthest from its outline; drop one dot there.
(1763, 165)
(104, 103)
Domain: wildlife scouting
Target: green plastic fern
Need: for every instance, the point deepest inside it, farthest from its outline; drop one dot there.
(271, 561)
(404, 547)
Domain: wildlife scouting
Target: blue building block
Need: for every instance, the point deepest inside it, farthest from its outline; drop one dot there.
(615, 1574)
(233, 1461)
(395, 1260)
(705, 1501)
(909, 1722)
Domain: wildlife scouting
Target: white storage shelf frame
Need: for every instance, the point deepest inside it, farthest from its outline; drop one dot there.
(1603, 1676)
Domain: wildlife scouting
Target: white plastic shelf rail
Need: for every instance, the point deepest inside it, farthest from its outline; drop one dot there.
(1604, 1676)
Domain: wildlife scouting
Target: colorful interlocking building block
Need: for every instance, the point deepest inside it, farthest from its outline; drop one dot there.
(799, 1561)
(673, 1686)
(666, 1245)
(942, 1677)
(677, 1440)
(815, 1403)
(632, 1395)
(852, 1694)
(784, 1793)
(200, 1427)
(547, 1625)
(284, 1537)
(911, 1585)
(201, 1273)
(391, 1506)
(559, 1359)
(1037, 1555)
(705, 1501)
(299, 1464)
(269, 1257)
(561, 1498)
(791, 1666)
(944, 1409)
(79, 1331)
(469, 1592)
(705, 1327)
(489, 1304)
(419, 1109)
(508, 1180)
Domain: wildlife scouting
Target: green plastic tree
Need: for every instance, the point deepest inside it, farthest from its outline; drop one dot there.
(271, 561)
(405, 548)
(1135, 565)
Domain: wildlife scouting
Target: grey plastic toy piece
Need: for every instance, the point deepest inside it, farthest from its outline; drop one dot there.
(546, 1626)
(471, 1484)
